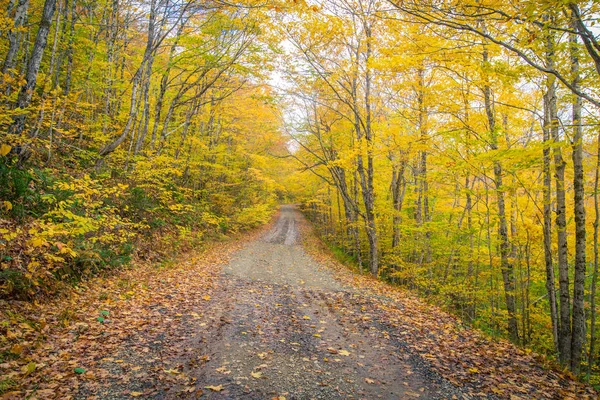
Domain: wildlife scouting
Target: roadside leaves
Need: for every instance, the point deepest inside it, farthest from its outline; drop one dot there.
(49, 342)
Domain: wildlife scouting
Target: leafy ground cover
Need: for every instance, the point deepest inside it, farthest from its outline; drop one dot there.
(270, 314)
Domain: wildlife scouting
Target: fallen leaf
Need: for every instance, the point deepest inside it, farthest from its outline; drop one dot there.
(29, 368)
(214, 388)
(256, 375)
(223, 370)
(171, 371)
(16, 349)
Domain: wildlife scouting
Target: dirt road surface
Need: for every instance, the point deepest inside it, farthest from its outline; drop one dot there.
(273, 323)
(290, 329)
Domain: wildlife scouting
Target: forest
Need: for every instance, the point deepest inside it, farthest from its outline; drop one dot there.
(451, 148)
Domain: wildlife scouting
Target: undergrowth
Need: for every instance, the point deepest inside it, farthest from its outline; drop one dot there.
(58, 227)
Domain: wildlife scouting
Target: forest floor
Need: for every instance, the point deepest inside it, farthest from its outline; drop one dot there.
(270, 315)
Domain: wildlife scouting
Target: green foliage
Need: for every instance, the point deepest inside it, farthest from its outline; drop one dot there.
(6, 384)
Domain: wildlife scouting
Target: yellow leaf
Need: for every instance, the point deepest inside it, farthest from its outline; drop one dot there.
(214, 388)
(344, 353)
(26, 326)
(306, 317)
(223, 370)
(256, 375)
(473, 370)
(29, 368)
(207, 297)
(4, 149)
(171, 371)
(316, 335)
(7, 205)
(37, 241)
(136, 394)
(16, 349)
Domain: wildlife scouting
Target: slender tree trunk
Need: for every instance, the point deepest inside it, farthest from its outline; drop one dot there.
(368, 189)
(505, 264)
(468, 210)
(20, 15)
(579, 321)
(135, 86)
(398, 190)
(565, 335)
(164, 82)
(365, 174)
(547, 221)
(356, 232)
(33, 67)
(69, 52)
(596, 256)
(552, 125)
(143, 131)
(188, 117)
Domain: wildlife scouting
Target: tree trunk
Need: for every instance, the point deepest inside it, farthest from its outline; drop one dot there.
(369, 193)
(69, 53)
(20, 15)
(579, 321)
(505, 264)
(163, 87)
(398, 190)
(135, 85)
(596, 256)
(143, 131)
(547, 221)
(33, 67)
(565, 335)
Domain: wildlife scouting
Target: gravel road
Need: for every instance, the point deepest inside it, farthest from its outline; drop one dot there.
(281, 326)
(263, 317)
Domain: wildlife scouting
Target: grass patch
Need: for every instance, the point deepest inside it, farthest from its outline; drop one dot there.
(6, 384)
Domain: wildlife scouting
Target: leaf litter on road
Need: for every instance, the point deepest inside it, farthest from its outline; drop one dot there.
(170, 332)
